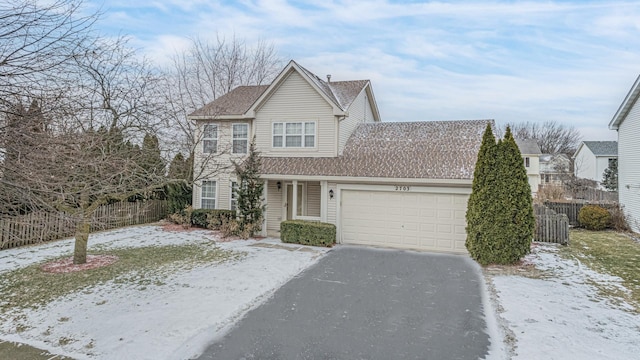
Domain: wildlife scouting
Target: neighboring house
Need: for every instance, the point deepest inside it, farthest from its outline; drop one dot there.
(627, 122)
(593, 157)
(555, 169)
(327, 157)
(531, 156)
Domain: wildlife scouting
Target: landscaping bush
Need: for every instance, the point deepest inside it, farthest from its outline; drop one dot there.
(210, 218)
(593, 217)
(182, 217)
(308, 232)
(618, 219)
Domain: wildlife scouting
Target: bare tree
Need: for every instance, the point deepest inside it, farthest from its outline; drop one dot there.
(551, 137)
(37, 39)
(207, 70)
(75, 147)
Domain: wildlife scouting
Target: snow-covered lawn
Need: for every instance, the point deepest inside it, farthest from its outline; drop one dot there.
(173, 320)
(559, 313)
(550, 309)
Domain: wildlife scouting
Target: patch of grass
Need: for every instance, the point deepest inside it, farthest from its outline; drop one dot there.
(141, 267)
(611, 253)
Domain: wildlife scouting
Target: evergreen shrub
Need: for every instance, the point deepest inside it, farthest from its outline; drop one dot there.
(500, 220)
(308, 233)
(594, 217)
(210, 218)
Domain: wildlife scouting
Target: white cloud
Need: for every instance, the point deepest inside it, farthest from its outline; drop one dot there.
(570, 62)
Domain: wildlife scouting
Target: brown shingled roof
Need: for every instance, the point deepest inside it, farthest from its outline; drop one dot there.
(429, 150)
(240, 99)
(235, 102)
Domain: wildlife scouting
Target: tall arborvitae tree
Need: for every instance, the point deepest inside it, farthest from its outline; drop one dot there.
(249, 193)
(610, 176)
(500, 219)
(515, 222)
(484, 178)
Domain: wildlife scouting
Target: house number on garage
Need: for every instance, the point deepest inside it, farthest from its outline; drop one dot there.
(402, 188)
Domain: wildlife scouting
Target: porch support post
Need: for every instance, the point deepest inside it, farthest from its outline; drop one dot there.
(294, 200)
(266, 210)
(324, 200)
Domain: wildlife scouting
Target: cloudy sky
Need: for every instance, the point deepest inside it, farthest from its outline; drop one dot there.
(566, 61)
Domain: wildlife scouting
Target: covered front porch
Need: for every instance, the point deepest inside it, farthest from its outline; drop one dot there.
(291, 199)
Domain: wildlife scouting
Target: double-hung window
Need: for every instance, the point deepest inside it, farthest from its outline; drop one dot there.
(210, 139)
(526, 162)
(294, 134)
(208, 198)
(234, 196)
(240, 138)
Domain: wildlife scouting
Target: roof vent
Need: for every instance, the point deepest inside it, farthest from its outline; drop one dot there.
(328, 77)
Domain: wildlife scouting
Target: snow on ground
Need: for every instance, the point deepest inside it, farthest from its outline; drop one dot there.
(172, 321)
(562, 316)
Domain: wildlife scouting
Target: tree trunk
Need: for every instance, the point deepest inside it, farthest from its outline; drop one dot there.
(82, 239)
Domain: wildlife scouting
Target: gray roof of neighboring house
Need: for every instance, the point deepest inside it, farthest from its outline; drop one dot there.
(528, 146)
(602, 148)
(235, 102)
(240, 99)
(428, 149)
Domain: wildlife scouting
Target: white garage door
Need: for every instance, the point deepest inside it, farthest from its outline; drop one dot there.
(407, 220)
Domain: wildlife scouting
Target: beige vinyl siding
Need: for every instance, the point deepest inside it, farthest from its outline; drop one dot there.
(629, 165)
(216, 166)
(274, 206)
(359, 112)
(533, 171)
(313, 199)
(296, 101)
(332, 204)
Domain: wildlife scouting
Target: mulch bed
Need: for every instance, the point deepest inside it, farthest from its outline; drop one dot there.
(171, 227)
(64, 266)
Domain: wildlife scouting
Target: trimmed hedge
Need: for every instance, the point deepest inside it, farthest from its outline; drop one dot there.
(210, 218)
(308, 233)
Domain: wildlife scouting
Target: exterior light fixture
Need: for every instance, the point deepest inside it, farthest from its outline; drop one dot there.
(279, 185)
(331, 194)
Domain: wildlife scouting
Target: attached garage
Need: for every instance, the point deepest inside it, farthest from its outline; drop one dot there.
(411, 218)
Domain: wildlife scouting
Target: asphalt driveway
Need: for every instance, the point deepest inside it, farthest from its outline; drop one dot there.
(362, 303)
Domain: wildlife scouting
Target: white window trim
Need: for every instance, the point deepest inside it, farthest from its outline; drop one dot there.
(206, 138)
(234, 139)
(215, 199)
(231, 195)
(283, 134)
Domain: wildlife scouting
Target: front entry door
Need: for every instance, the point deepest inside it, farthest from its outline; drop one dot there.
(289, 200)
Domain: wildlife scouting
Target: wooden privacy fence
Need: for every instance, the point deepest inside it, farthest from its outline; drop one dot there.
(572, 209)
(43, 226)
(551, 226)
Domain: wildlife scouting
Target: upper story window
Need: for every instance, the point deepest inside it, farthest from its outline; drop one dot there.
(612, 162)
(294, 134)
(526, 162)
(240, 138)
(210, 139)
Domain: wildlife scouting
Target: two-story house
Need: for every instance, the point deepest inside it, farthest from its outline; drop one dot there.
(593, 157)
(555, 169)
(326, 156)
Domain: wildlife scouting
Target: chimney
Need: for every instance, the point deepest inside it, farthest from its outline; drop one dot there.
(328, 77)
